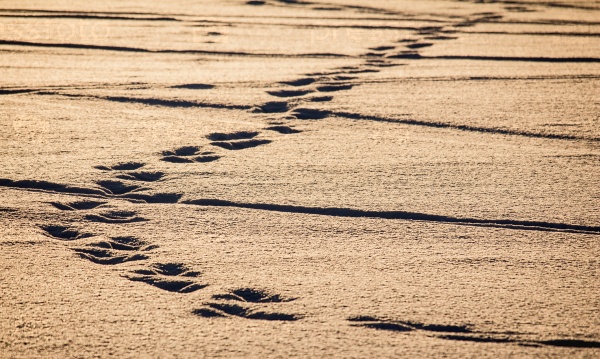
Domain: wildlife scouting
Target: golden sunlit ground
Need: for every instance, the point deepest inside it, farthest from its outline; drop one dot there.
(282, 178)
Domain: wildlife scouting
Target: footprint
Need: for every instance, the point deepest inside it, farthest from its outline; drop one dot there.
(142, 176)
(273, 107)
(382, 48)
(246, 295)
(176, 159)
(170, 285)
(206, 158)
(320, 99)
(441, 37)
(334, 88)
(419, 45)
(289, 93)
(309, 114)
(344, 78)
(183, 151)
(242, 135)
(64, 233)
(223, 310)
(77, 206)
(283, 129)
(374, 54)
(300, 82)
(168, 269)
(179, 155)
(125, 166)
(107, 257)
(252, 296)
(161, 276)
(118, 188)
(118, 217)
(126, 243)
(240, 145)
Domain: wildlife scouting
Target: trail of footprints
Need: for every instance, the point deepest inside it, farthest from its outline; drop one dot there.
(247, 303)
(170, 277)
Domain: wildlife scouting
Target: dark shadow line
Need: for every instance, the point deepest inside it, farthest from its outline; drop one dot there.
(153, 101)
(402, 215)
(356, 116)
(499, 58)
(541, 22)
(13, 92)
(43, 11)
(574, 34)
(193, 52)
(90, 17)
(543, 4)
(50, 187)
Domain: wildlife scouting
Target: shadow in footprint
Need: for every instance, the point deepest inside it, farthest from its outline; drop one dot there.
(177, 286)
(77, 206)
(205, 159)
(179, 155)
(289, 93)
(64, 233)
(286, 130)
(126, 243)
(320, 99)
(182, 151)
(241, 135)
(419, 45)
(142, 176)
(334, 88)
(125, 166)
(252, 296)
(168, 269)
(300, 82)
(118, 187)
(118, 217)
(240, 145)
(272, 107)
(382, 48)
(107, 257)
(310, 114)
(220, 310)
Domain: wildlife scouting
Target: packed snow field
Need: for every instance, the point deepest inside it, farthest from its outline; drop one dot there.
(299, 178)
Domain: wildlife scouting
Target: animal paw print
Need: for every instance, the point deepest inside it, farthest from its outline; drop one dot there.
(115, 250)
(64, 233)
(188, 154)
(142, 176)
(169, 277)
(124, 166)
(115, 217)
(78, 205)
(245, 295)
(236, 140)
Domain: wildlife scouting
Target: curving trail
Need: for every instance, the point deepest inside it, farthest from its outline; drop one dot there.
(299, 178)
